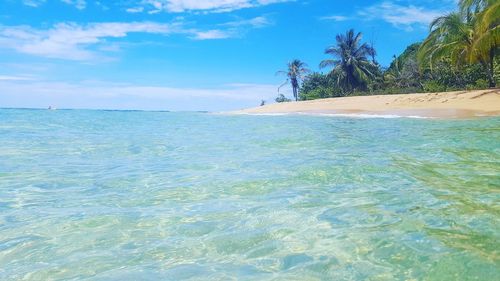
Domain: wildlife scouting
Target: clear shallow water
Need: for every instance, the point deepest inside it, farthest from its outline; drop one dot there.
(106, 195)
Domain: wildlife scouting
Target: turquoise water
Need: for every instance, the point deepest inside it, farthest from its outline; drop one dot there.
(110, 195)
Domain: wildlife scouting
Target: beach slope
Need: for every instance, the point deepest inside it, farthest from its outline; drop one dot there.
(446, 104)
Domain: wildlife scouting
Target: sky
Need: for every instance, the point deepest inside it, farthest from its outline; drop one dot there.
(184, 55)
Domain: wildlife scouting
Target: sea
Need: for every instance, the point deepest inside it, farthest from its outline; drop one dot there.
(137, 195)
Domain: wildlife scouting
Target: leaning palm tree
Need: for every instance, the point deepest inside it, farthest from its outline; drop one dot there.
(450, 36)
(351, 66)
(470, 7)
(486, 44)
(469, 36)
(295, 74)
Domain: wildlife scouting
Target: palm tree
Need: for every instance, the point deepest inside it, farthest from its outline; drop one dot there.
(487, 40)
(470, 7)
(351, 66)
(295, 74)
(396, 74)
(450, 36)
(469, 36)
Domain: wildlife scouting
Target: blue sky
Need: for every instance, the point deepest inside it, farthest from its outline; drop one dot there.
(183, 54)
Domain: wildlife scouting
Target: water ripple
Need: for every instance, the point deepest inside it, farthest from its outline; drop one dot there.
(109, 195)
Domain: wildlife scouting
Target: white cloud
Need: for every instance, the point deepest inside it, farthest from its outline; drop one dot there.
(106, 95)
(33, 3)
(335, 18)
(135, 10)
(14, 78)
(187, 5)
(178, 6)
(79, 4)
(87, 42)
(211, 34)
(256, 22)
(72, 41)
(233, 29)
(401, 16)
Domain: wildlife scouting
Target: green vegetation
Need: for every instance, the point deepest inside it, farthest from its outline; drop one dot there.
(460, 52)
(282, 98)
(351, 68)
(295, 73)
(470, 36)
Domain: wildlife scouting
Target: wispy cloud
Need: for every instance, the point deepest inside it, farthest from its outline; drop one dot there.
(33, 3)
(211, 34)
(79, 4)
(135, 10)
(334, 18)
(401, 16)
(72, 41)
(87, 42)
(179, 6)
(232, 29)
(15, 78)
(256, 22)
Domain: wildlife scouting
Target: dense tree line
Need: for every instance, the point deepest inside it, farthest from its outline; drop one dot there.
(460, 52)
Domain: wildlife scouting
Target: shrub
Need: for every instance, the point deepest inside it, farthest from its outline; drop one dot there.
(482, 83)
(282, 98)
(434, 86)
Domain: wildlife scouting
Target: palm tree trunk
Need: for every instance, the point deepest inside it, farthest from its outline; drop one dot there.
(295, 93)
(491, 78)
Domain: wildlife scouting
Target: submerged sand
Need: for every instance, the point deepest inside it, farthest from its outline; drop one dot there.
(457, 104)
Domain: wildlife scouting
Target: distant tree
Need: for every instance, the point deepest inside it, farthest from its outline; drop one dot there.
(282, 98)
(409, 54)
(317, 85)
(396, 76)
(351, 66)
(404, 71)
(295, 74)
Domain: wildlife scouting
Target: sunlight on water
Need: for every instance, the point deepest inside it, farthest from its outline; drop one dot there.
(104, 195)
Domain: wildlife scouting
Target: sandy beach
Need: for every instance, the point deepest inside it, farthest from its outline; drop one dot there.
(459, 104)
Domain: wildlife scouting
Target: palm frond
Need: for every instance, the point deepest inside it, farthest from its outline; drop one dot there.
(328, 62)
(281, 86)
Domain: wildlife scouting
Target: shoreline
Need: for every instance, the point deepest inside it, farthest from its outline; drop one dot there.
(458, 104)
